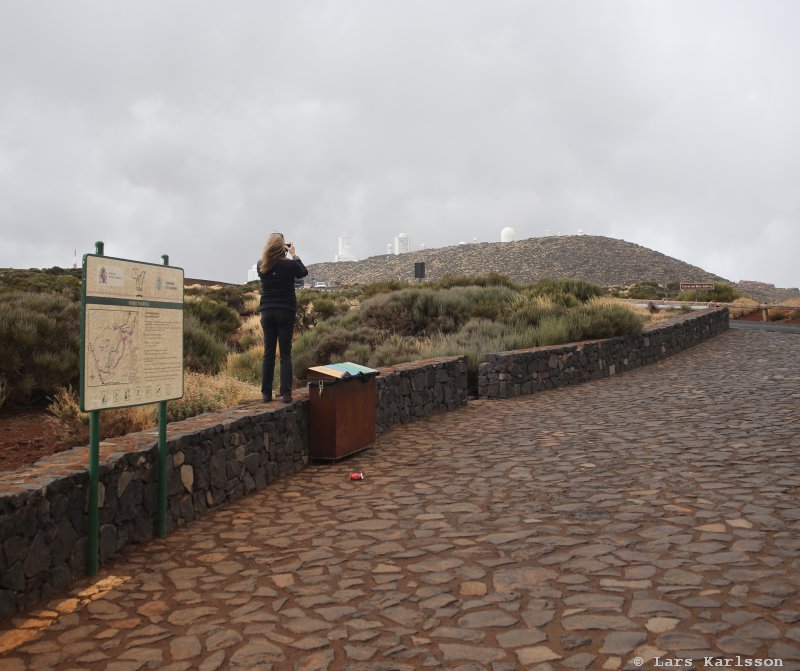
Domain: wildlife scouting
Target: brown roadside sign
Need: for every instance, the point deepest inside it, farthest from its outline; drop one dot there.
(697, 286)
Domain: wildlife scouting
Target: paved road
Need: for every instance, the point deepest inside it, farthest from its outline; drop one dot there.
(655, 513)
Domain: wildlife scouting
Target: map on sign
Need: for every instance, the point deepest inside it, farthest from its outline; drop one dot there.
(113, 351)
(132, 333)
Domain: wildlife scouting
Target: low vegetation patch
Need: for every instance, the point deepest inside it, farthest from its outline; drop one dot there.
(375, 325)
(202, 393)
(460, 315)
(39, 344)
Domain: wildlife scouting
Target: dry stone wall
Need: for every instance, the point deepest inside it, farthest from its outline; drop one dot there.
(509, 374)
(213, 459)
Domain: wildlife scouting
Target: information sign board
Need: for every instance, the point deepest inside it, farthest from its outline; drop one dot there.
(131, 333)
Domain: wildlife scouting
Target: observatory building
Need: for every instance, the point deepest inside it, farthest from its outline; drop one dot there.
(402, 245)
(345, 254)
(507, 234)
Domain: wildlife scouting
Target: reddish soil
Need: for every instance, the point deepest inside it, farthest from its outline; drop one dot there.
(26, 436)
(756, 316)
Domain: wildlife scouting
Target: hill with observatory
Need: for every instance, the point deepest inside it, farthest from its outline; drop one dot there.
(605, 261)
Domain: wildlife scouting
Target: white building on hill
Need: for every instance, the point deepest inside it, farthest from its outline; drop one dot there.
(402, 245)
(345, 253)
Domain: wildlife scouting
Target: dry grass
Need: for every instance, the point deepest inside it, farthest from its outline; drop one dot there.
(777, 315)
(251, 302)
(246, 366)
(742, 307)
(202, 393)
(250, 334)
(649, 317)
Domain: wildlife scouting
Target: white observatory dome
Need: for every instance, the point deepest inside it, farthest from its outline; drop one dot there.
(507, 234)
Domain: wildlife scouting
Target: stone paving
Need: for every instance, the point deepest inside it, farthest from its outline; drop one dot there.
(652, 515)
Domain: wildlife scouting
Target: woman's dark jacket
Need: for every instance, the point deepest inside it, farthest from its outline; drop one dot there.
(277, 285)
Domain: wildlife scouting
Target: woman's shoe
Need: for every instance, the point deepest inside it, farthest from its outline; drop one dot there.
(266, 399)
(286, 398)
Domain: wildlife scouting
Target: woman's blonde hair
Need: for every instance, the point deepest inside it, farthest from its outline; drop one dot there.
(274, 251)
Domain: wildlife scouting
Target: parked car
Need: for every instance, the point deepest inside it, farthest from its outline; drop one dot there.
(320, 285)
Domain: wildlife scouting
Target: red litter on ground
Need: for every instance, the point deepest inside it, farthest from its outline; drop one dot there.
(357, 476)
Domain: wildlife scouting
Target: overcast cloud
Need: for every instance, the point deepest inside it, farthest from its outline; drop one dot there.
(196, 128)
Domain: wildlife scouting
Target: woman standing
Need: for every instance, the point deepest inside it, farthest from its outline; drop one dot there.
(278, 307)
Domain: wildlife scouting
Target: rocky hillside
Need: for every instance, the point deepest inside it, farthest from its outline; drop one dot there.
(598, 259)
(770, 294)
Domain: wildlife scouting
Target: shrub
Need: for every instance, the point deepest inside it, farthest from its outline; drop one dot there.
(246, 366)
(249, 335)
(314, 308)
(723, 293)
(598, 321)
(64, 281)
(358, 352)
(324, 308)
(646, 291)
(215, 316)
(391, 312)
(559, 290)
(487, 280)
(234, 296)
(204, 393)
(252, 301)
(330, 341)
(395, 349)
(39, 344)
(384, 287)
(533, 309)
(203, 351)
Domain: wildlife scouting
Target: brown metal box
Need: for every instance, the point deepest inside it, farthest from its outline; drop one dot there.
(341, 414)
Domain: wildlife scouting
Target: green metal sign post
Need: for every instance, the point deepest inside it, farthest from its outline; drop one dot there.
(162, 458)
(131, 354)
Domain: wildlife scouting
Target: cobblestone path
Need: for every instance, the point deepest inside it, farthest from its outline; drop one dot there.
(653, 514)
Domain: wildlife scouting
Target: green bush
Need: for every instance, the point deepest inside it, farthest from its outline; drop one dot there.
(391, 312)
(246, 366)
(39, 344)
(203, 351)
(646, 291)
(232, 295)
(606, 322)
(487, 280)
(392, 350)
(214, 315)
(463, 317)
(64, 281)
(385, 287)
(723, 293)
(561, 290)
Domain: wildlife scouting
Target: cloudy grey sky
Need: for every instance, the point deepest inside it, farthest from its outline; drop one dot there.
(195, 128)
